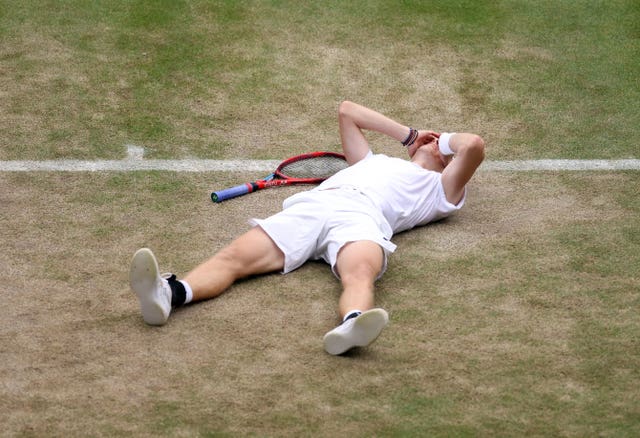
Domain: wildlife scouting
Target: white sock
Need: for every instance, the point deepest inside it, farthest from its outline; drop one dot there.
(187, 288)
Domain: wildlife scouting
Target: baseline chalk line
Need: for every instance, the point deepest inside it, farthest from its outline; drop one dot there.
(529, 165)
(135, 162)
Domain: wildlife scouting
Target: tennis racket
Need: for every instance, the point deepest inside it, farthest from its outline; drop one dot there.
(311, 168)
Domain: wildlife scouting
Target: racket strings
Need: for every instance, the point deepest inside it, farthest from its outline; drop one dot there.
(316, 167)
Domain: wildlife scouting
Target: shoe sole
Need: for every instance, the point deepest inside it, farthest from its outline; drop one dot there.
(366, 329)
(143, 277)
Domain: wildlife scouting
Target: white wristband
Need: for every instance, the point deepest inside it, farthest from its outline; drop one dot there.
(443, 143)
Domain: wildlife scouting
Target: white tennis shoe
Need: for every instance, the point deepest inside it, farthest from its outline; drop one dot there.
(356, 332)
(153, 290)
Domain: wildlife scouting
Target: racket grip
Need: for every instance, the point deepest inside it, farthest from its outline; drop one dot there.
(223, 195)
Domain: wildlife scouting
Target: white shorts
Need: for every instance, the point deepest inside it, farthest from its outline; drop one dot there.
(316, 224)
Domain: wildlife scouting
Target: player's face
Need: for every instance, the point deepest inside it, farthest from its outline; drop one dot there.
(431, 158)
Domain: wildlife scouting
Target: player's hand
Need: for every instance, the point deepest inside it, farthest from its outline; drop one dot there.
(424, 137)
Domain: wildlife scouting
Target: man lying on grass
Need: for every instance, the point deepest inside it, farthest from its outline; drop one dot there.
(348, 221)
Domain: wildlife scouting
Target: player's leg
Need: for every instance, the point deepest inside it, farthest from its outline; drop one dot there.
(252, 253)
(359, 265)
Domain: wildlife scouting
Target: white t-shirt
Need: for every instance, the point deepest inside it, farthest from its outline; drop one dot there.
(406, 194)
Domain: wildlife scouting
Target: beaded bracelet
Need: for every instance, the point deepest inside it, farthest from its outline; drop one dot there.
(411, 138)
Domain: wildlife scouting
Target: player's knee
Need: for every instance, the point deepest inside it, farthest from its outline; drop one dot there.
(363, 272)
(360, 261)
(253, 253)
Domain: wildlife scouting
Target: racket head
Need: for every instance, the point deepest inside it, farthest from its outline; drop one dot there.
(311, 168)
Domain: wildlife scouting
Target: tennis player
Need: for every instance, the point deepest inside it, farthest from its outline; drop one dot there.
(348, 221)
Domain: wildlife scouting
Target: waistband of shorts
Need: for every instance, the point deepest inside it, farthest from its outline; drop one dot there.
(346, 192)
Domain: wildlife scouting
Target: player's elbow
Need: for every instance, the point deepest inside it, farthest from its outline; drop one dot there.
(474, 148)
(346, 108)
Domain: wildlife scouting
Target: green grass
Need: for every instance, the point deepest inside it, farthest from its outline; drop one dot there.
(517, 317)
(539, 79)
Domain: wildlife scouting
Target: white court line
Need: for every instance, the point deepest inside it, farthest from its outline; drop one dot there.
(528, 165)
(135, 165)
(136, 162)
(269, 165)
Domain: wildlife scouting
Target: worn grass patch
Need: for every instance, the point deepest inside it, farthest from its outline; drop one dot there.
(516, 317)
(510, 318)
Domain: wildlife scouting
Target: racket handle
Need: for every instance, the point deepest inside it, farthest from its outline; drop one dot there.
(223, 195)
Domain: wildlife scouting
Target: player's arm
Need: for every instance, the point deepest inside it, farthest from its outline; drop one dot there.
(354, 118)
(468, 150)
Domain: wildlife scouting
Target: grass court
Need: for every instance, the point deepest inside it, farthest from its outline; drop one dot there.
(519, 316)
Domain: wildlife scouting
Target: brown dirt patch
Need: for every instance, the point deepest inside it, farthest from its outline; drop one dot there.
(78, 360)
